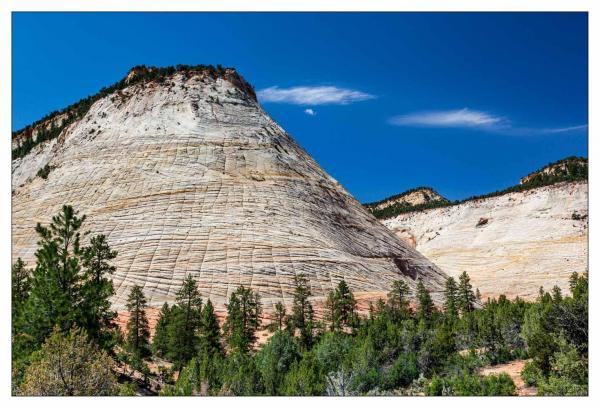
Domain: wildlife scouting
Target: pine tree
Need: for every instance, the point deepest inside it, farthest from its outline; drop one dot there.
(451, 293)
(160, 341)
(556, 294)
(210, 333)
(346, 304)
(398, 301)
(138, 332)
(425, 303)
(466, 297)
(302, 318)
(55, 295)
(279, 317)
(183, 333)
(97, 290)
(21, 283)
(342, 307)
(331, 312)
(243, 319)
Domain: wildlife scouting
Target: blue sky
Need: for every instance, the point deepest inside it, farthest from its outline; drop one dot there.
(464, 102)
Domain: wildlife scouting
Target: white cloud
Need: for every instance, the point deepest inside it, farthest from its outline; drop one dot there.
(310, 112)
(313, 95)
(450, 118)
(564, 129)
(468, 118)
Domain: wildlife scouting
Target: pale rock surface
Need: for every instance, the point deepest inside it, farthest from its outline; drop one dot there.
(191, 176)
(413, 197)
(524, 239)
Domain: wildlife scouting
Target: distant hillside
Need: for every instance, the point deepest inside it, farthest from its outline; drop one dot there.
(510, 244)
(569, 169)
(408, 199)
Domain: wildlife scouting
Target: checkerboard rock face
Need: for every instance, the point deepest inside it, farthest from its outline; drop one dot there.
(190, 176)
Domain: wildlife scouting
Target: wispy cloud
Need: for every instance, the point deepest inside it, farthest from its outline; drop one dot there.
(310, 112)
(313, 95)
(474, 119)
(564, 129)
(450, 118)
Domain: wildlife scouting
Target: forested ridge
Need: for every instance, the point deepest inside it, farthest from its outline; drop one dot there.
(575, 169)
(404, 345)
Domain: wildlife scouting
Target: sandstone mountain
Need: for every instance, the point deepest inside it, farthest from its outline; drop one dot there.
(570, 167)
(415, 197)
(509, 242)
(184, 173)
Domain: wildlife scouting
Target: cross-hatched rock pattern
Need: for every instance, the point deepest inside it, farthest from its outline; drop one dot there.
(190, 176)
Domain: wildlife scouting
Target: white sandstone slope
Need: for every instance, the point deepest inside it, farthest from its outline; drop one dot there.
(510, 244)
(190, 176)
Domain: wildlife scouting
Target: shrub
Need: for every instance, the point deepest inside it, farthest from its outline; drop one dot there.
(44, 172)
(531, 374)
(471, 384)
(69, 364)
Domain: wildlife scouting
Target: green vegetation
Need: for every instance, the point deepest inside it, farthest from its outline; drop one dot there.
(76, 111)
(44, 172)
(69, 364)
(61, 324)
(138, 333)
(396, 350)
(575, 169)
(371, 206)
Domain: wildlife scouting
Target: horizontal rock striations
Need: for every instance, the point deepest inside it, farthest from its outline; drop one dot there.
(186, 174)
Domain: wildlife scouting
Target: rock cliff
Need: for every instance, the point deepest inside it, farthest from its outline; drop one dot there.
(186, 174)
(509, 244)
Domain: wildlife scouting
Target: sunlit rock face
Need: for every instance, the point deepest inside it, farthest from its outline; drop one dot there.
(190, 176)
(510, 244)
(417, 196)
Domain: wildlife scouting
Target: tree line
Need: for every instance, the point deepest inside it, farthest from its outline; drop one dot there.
(405, 345)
